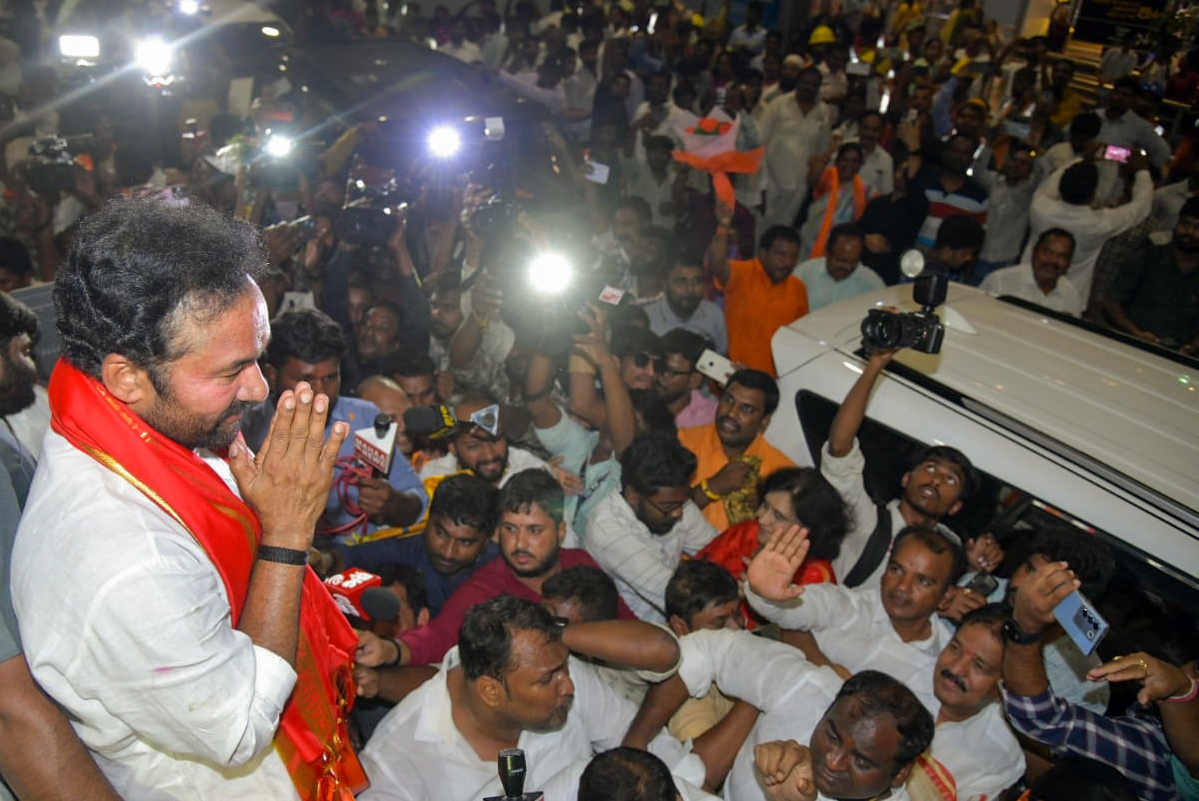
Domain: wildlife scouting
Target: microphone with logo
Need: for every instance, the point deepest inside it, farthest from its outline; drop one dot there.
(361, 595)
(512, 777)
(374, 446)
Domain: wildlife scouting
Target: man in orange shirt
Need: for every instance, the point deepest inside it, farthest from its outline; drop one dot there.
(760, 295)
(732, 453)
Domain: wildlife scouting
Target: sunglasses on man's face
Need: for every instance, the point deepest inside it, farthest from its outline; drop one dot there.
(643, 360)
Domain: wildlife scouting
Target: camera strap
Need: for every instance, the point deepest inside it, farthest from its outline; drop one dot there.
(874, 552)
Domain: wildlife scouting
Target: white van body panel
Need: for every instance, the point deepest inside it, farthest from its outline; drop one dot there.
(1104, 431)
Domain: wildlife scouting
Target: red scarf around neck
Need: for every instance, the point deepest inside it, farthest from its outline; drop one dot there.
(312, 740)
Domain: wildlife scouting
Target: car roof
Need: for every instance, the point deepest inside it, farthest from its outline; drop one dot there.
(1126, 408)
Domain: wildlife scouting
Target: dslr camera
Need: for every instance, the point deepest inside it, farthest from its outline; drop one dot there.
(922, 330)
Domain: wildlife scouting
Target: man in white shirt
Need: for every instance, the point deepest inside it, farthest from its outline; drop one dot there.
(878, 168)
(893, 628)
(973, 742)
(475, 448)
(839, 274)
(512, 683)
(794, 127)
(1043, 280)
(863, 735)
(639, 534)
(1064, 201)
(182, 600)
(459, 46)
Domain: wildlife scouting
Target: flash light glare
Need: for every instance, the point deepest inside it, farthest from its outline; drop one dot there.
(154, 56)
(189, 7)
(444, 141)
(549, 273)
(270, 30)
(79, 46)
(278, 146)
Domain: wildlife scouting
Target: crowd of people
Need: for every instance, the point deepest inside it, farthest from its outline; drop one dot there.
(579, 542)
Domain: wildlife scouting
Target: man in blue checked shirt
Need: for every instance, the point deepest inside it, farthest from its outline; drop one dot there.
(1136, 743)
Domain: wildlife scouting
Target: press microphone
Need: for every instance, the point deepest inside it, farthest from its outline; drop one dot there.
(511, 763)
(432, 422)
(348, 588)
(374, 446)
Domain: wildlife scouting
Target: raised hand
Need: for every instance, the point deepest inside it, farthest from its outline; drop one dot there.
(1159, 679)
(287, 483)
(772, 569)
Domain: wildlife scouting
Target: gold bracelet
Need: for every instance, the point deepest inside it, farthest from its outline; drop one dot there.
(482, 322)
(712, 496)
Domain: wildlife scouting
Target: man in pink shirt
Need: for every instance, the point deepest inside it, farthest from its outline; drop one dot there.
(678, 382)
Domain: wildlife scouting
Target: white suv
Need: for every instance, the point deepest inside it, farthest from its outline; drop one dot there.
(1067, 425)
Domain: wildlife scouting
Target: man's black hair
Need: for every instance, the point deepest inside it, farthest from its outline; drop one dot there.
(631, 340)
(532, 487)
(387, 305)
(846, 229)
(944, 453)
(654, 460)
(696, 585)
(485, 639)
(960, 231)
(938, 542)
(1052, 232)
(1190, 208)
(15, 319)
(817, 504)
(626, 774)
(879, 694)
(590, 589)
(811, 71)
(14, 256)
(756, 379)
(1078, 182)
(659, 143)
(139, 270)
(1089, 557)
(653, 411)
(688, 344)
(1087, 124)
(1077, 778)
(990, 615)
(411, 579)
(413, 365)
(1126, 82)
(467, 500)
(783, 232)
(305, 334)
(847, 147)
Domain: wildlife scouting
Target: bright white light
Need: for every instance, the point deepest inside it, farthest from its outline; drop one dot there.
(270, 30)
(911, 263)
(79, 46)
(444, 141)
(154, 56)
(189, 7)
(278, 146)
(550, 273)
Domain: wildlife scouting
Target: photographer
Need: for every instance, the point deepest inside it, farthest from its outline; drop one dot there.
(940, 480)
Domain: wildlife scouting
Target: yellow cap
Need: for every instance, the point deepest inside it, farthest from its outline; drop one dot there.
(822, 35)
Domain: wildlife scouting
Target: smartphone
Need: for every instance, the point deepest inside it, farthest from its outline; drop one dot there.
(714, 366)
(984, 584)
(1116, 153)
(598, 173)
(1081, 621)
(1018, 130)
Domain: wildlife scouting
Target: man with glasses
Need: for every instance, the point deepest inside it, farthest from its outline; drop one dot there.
(679, 382)
(639, 534)
(732, 453)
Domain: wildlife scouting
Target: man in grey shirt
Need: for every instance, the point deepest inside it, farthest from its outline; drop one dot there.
(682, 304)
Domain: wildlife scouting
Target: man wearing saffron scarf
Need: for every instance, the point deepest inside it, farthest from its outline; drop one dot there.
(162, 589)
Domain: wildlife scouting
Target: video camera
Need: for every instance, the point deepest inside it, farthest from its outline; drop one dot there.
(50, 169)
(922, 330)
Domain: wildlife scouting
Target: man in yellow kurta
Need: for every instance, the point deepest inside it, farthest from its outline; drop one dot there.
(732, 453)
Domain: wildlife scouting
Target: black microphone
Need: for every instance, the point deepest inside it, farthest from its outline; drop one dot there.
(380, 603)
(511, 763)
(433, 422)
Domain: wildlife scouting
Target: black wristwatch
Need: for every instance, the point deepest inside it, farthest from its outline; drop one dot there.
(1013, 633)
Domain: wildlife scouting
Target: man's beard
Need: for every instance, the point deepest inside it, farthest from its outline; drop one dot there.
(16, 384)
(169, 418)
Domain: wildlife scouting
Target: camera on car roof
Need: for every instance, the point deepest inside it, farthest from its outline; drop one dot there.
(922, 330)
